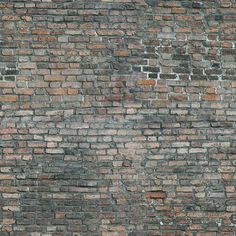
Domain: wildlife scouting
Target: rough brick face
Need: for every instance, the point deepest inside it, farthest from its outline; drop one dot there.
(117, 118)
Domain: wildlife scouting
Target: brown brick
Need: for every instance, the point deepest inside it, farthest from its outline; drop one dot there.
(147, 82)
(8, 98)
(57, 91)
(60, 215)
(178, 97)
(156, 195)
(122, 53)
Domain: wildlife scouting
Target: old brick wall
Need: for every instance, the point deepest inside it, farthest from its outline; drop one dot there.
(117, 118)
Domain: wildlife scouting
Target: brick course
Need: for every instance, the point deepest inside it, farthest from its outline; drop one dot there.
(117, 118)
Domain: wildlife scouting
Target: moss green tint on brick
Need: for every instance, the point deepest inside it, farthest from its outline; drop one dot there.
(117, 118)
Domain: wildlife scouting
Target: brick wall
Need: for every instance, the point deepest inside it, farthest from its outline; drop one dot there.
(117, 118)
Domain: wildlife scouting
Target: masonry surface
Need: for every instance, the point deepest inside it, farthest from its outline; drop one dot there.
(117, 118)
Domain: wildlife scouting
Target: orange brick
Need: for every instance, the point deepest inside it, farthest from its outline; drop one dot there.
(211, 97)
(8, 98)
(5, 177)
(147, 82)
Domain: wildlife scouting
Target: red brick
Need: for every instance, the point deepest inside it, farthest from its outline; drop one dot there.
(147, 82)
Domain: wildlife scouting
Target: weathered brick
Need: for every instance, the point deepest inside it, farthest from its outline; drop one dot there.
(8, 98)
(41, 31)
(54, 78)
(53, 138)
(27, 65)
(57, 91)
(10, 18)
(156, 195)
(24, 91)
(24, 113)
(11, 208)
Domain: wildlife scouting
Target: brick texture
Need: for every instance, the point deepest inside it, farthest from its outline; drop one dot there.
(117, 118)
